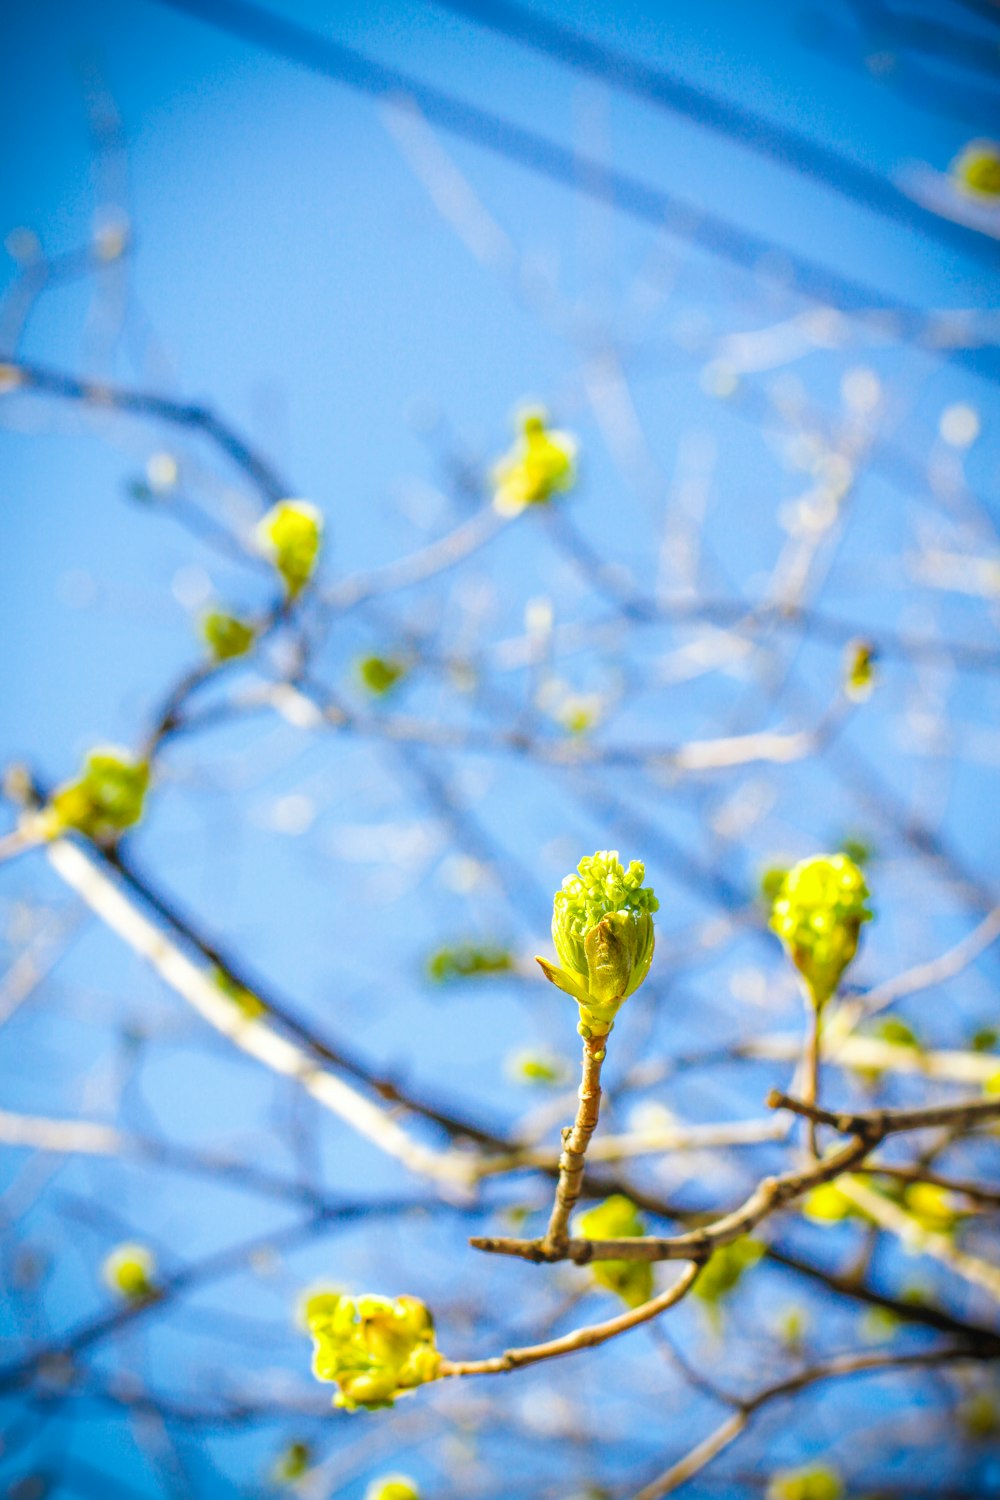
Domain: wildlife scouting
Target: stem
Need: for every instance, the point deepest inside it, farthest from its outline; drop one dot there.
(810, 1089)
(580, 1338)
(576, 1139)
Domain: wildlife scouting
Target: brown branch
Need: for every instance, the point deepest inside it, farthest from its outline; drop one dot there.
(576, 1139)
(876, 1124)
(771, 1194)
(728, 1431)
(867, 1131)
(580, 1338)
(984, 1194)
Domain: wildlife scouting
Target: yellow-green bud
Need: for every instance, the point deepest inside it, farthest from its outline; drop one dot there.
(827, 1204)
(817, 914)
(541, 464)
(317, 1300)
(247, 1003)
(373, 1348)
(379, 674)
(290, 535)
(933, 1207)
(602, 928)
(225, 635)
(980, 1415)
(130, 1271)
(105, 799)
(859, 670)
(725, 1269)
(819, 1483)
(392, 1487)
(977, 168)
(618, 1218)
(293, 1464)
(537, 1068)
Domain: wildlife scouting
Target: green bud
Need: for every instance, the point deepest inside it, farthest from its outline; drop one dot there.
(725, 1269)
(933, 1207)
(980, 1415)
(379, 674)
(319, 1300)
(467, 961)
(878, 1325)
(859, 670)
(537, 1067)
(130, 1271)
(392, 1487)
(247, 1003)
(827, 1204)
(977, 169)
(373, 1348)
(106, 798)
(818, 1483)
(293, 1464)
(290, 535)
(771, 882)
(226, 636)
(602, 928)
(542, 463)
(818, 913)
(617, 1218)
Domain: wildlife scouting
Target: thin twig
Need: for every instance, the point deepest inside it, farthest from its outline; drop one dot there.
(581, 1338)
(576, 1139)
(846, 1364)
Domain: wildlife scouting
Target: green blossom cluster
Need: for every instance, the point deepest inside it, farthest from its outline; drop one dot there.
(225, 635)
(817, 913)
(130, 1272)
(618, 1218)
(373, 1348)
(290, 535)
(105, 799)
(541, 464)
(602, 928)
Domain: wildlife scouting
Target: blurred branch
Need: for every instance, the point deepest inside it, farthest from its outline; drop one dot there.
(257, 1038)
(729, 1430)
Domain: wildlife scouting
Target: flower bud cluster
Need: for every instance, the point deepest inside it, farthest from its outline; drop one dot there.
(817, 913)
(290, 535)
(373, 1348)
(541, 464)
(602, 928)
(226, 635)
(105, 799)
